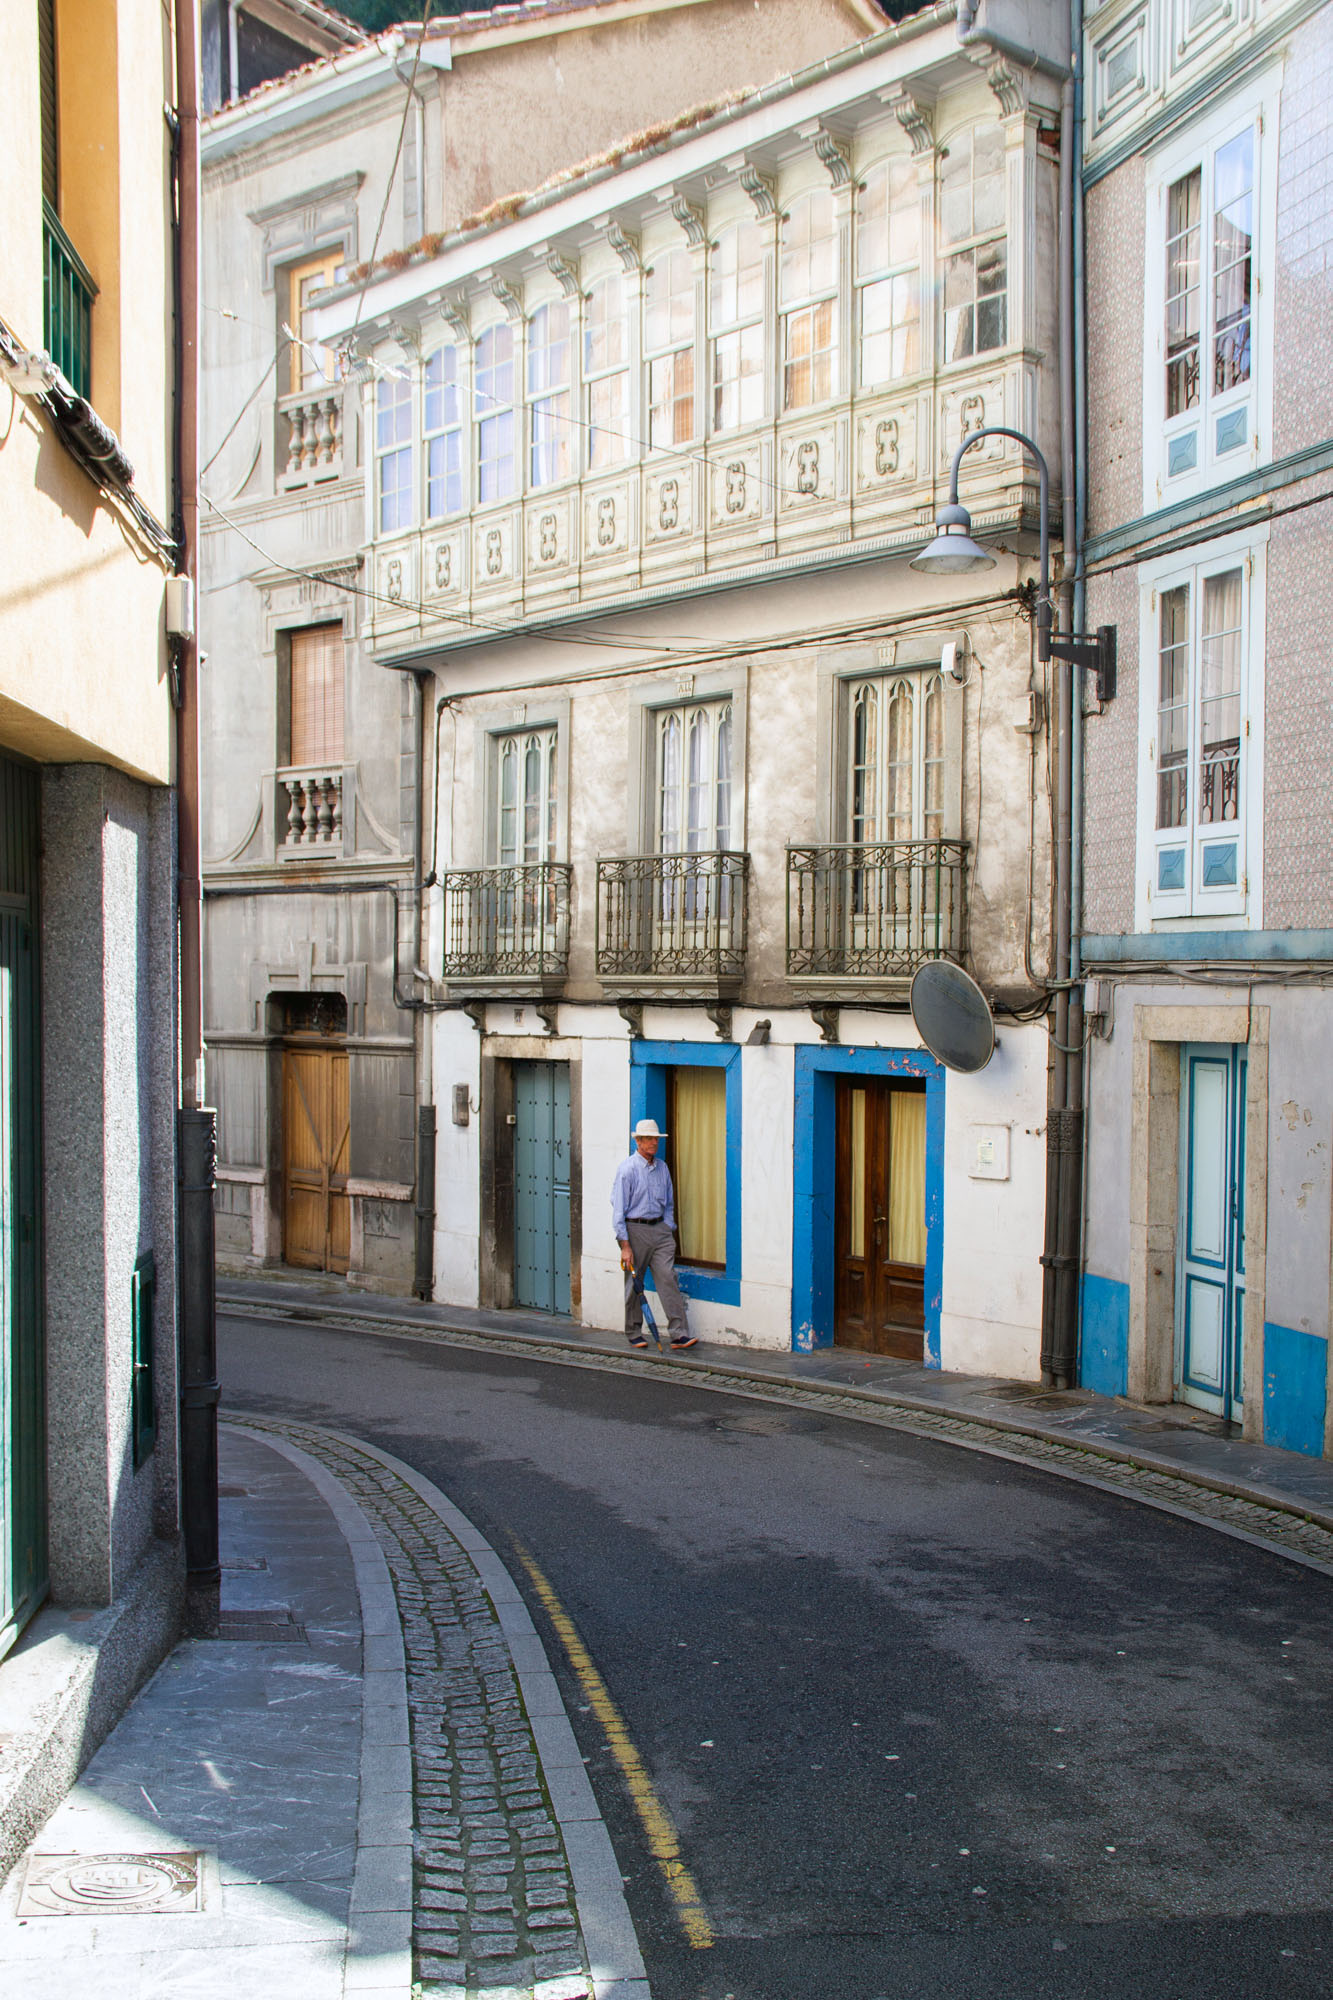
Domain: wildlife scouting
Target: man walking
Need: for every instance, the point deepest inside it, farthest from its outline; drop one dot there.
(643, 1215)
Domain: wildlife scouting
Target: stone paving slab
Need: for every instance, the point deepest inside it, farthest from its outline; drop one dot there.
(245, 1752)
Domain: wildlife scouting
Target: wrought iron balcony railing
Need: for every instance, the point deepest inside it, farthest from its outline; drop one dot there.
(507, 924)
(866, 911)
(672, 917)
(68, 292)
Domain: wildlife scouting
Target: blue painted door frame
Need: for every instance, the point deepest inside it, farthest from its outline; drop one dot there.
(649, 1064)
(818, 1068)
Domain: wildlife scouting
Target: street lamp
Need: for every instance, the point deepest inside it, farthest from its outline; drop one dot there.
(953, 552)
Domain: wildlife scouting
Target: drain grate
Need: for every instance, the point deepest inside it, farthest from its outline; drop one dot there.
(264, 1627)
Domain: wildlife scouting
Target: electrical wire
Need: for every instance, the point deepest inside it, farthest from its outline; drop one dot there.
(393, 170)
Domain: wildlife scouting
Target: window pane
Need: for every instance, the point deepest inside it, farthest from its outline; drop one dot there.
(738, 378)
(669, 777)
(933, 761)
(494, 386)
(809, 248)
(864, 734)
(608, 412)
(444, 475)
(671, 399)
(1233, 258)
(669, 301)
(699, 1164)
(1173, 708)
(395, 491)
(606, 337)
(551, 457)
(317, 695)
(1182, 293)
(737, 275)
(890, 329)
(811, 342)
(722, 830)
(888, 232)
(548, 349)
(1219, 698)
(495, 453)
(898, 765)
(442, 405)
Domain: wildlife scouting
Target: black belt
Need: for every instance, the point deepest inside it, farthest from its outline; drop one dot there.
(645, 1218)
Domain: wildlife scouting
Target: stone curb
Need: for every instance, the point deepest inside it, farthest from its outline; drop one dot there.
(593, 1353)
(599, 1894)
(378, 1962)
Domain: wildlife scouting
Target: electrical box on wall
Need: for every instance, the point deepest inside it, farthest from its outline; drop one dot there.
(460, 1104)
(988, 1152)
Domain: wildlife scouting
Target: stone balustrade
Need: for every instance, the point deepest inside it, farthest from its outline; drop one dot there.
(310, 437)
(313, 800)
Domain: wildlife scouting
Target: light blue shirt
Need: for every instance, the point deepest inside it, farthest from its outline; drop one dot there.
(641, 1190)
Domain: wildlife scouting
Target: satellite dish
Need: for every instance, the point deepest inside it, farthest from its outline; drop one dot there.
(952, 1015)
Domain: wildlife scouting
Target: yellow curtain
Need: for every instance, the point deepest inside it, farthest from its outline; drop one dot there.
(699, 1156)
(907, 1178)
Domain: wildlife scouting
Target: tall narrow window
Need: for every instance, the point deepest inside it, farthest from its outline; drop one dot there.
(808, 287)
(524, 826)
(895, 758)
(972, 225)
(1200, 743)
(493, 398)
(697, 1141)
(1208, 297)
(736, 314)
(393, 452)
(442, 423)
(606, 370)
(308, 362)
(550, 358)
(316, 707)
(668, 338)
(888, 270)
(694, 806)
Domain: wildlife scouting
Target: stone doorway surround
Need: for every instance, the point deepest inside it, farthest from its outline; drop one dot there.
(1159, 1032)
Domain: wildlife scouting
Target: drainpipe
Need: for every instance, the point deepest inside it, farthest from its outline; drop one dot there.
(423, 1282)
(196, 1140)
(1080, 611)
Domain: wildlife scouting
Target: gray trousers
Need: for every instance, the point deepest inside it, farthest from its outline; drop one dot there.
(654, 1249)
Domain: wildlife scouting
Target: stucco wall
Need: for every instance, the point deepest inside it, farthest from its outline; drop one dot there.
(82, 660)
(512, 115)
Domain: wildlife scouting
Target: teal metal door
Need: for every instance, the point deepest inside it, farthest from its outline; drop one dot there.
(541, 1186)
(22, 1452)
(1210, 1290)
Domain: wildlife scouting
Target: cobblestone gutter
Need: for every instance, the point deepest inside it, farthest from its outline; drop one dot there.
(493, 1914)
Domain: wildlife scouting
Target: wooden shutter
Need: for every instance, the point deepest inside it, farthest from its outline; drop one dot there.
(317, 696)
(46, 70)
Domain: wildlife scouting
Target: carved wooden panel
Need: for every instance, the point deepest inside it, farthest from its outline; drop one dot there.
(737, 490)
(547, 528)
(492, 551)
(808, 460)
(606, 522)
(444, 565)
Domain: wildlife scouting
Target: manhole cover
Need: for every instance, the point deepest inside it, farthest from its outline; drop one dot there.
(768, 1423)
(266, 1627)
(102, 1885)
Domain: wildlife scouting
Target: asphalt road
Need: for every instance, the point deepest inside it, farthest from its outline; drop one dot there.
(929, 1726)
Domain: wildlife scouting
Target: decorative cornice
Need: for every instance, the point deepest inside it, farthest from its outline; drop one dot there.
(915, 117)
(454, 314)
(691, 221)
(759, 190)
(561, 268)
(508, 298)
(1011, 86)
(624, 246)
(833, 157)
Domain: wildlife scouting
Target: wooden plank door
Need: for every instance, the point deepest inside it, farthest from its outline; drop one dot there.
(1210, 1288)
(880, 1233)
(316, 1209)
(22, 1403)
(541, 1186)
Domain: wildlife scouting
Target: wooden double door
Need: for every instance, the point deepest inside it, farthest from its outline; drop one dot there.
(880, 1218)
(315, 1131)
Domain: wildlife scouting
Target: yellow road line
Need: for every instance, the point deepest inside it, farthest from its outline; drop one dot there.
(653, 1816)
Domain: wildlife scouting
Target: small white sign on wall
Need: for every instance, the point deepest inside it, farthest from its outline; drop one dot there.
(988, 1152)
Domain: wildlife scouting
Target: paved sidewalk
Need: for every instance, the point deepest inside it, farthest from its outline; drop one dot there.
(369, 1776)
(1166, 1439)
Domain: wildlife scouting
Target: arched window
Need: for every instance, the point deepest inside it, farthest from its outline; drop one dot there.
(393, 452)
(442, 424)
(888, 273)
(668, 340)
(493, 400)
(736, 320)
(525, 821)
(975, 251)
(606, 371)
(550, 358)
(808, 294)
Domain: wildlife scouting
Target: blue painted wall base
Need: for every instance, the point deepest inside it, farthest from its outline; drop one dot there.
(1295, 1389)
(1104, 1348)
